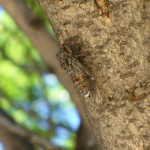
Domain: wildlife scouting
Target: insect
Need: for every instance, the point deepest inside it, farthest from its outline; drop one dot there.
(82, 80)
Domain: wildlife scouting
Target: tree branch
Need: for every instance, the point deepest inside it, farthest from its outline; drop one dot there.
(7, 123)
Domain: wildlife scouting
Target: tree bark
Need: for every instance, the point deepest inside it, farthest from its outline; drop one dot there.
(114, 39)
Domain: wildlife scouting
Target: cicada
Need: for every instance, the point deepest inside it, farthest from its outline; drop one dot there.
(80, 76)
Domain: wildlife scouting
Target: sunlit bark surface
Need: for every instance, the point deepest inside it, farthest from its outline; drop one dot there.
(115, 48)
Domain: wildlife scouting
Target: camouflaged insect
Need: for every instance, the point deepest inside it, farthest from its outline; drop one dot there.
(82, 80)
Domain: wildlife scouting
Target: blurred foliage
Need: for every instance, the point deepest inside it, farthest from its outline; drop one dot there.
(29, 92)
(35, 6)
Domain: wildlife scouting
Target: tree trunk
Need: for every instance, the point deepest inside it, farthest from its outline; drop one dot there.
(113, 38)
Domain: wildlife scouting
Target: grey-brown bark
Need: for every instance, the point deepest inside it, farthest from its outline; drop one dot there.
(116, 51)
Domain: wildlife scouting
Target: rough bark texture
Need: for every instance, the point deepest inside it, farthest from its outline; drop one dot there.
(116, 51)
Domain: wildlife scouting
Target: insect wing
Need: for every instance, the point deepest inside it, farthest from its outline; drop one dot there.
(86, 85)
(64, 60)
(82, 79)
(93, 86)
